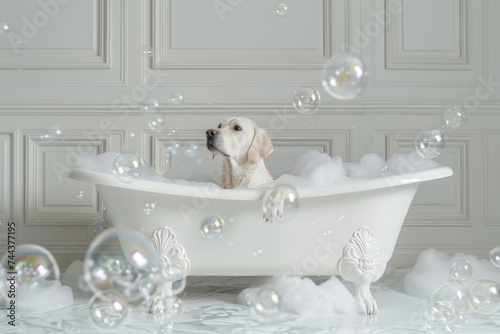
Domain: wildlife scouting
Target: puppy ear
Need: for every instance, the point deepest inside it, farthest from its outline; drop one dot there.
(261, 146)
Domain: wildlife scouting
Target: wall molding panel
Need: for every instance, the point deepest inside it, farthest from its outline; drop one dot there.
(6, 177)
(51, 198)
(421, 56)
(493, 184)
(176, 49)
(447, 207)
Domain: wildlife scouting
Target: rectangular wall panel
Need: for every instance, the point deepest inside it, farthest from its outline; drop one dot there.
(6, 176)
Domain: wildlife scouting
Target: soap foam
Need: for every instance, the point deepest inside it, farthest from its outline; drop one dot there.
(42, 298)
(311, 169)
(434, 267)
(300, 295)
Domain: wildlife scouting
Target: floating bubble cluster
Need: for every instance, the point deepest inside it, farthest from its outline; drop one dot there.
(281, 9)
(257, 252)
(453, 119)
(212, 227)
(35, 266)
(344, 77)
(484, 296)
(461, 270)
(107, 310)
(149, 208)
(128, 166)
(80, 194)
(430, 143)
(306, 100)
(266, 303)
(495, 256)
(280, 201)
(118, 261)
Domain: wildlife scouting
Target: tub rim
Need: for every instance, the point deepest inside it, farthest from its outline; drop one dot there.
(214, 192)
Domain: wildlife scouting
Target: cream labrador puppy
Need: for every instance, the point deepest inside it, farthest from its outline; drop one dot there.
(243, 146)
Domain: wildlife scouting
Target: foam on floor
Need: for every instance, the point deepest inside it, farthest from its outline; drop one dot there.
(434, 267)
(300, 295)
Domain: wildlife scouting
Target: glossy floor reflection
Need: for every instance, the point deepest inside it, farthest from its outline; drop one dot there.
(210, 307)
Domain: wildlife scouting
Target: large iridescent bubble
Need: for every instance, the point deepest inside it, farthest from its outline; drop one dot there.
(128, 167)
(344, 77)
(280, 203)
(107, 310)
(34, 266)
(306, 100)
(123, 262)
(484, 296)
(430, 143)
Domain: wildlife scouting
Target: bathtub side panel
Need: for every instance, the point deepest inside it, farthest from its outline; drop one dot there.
(310, 244)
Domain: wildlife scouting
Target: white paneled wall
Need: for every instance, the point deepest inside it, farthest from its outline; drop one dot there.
(76, 74)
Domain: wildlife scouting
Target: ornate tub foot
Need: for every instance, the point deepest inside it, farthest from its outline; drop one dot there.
(362, 264)
(174, 266)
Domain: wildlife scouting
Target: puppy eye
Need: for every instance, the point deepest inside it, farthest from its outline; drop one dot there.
(237, 128)
(219, 126)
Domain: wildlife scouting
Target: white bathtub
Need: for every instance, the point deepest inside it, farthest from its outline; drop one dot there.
(349, 230)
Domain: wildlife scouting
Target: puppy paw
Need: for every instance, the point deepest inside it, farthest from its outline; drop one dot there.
(275, 208)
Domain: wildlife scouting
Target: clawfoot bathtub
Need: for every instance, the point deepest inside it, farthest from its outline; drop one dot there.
(349, 230)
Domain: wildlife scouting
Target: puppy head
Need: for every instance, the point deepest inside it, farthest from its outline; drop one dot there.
(239, 138)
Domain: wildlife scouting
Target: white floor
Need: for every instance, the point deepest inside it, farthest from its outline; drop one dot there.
(210, 307)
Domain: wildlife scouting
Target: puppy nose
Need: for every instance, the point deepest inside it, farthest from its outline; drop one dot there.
(211, 132)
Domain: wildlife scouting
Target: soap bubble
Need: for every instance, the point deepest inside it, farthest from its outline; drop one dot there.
(454, 118)
(176, 98)
(430, 143)
(495, 256)
(52, 132)
(35, 266)
(461, 270)
(212, 227)
(147, 51)
(107, 310)
(149, 208)
(80, 194)
(179, 286)
(117, 260)
(164, 310)
(281, 9)
(484, 296)
(4, 28)
(344, 77)
(257, 252)
(150, 104)
(443, 313)
(157, 124)
(266, 304)
(453, 293)
(147, 286)
(97, 226)
(128, 166)
(281, 201)
(173, 146)
(191, 149)
(306, 100)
